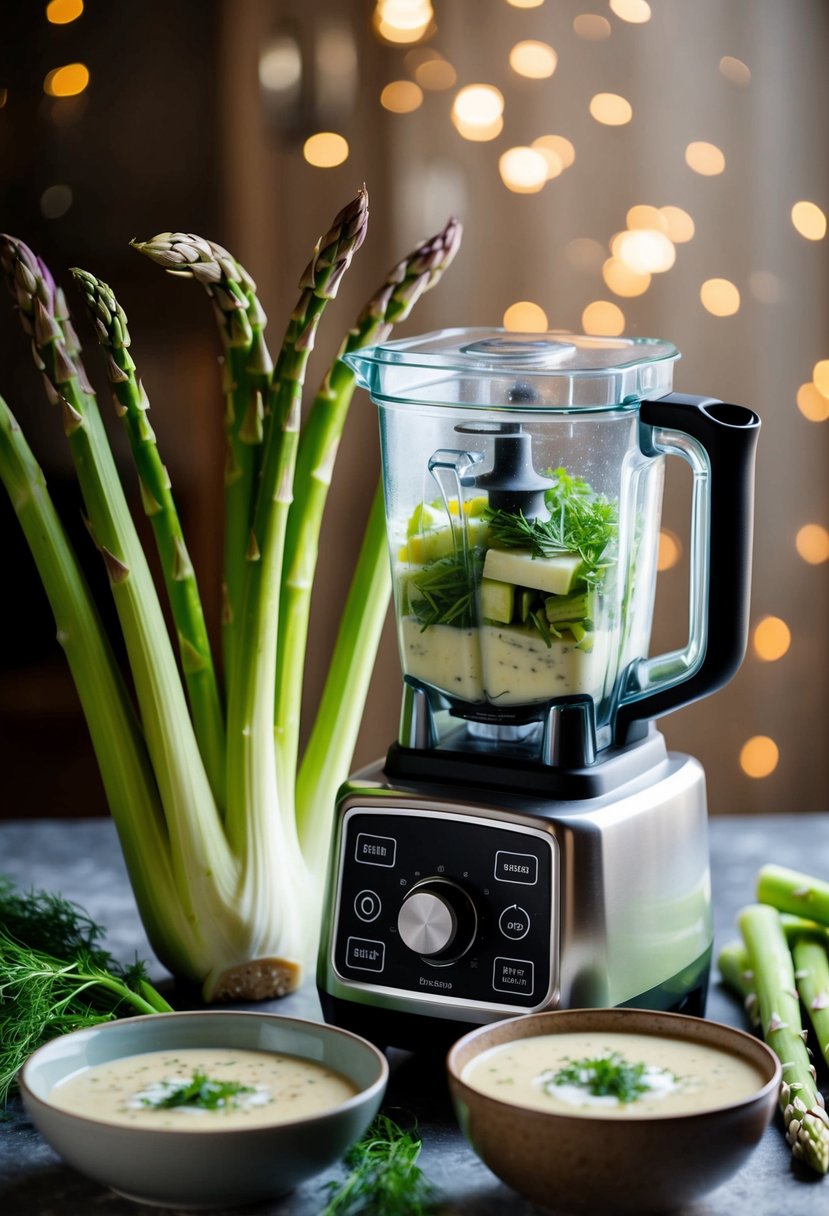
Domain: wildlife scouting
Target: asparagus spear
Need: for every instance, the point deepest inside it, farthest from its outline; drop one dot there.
(792, 891)
(807, 1125)
(736, 973)
(179, 577)
(811, 969)
(260, 791)
(195, 828)
(247, 375)
(392, 303)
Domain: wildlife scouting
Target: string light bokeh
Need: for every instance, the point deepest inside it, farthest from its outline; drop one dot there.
(621, 168)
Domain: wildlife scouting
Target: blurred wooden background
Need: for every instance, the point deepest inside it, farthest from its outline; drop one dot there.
(187, 124)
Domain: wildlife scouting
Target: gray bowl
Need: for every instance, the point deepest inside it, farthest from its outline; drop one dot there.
(213, 1168)
(592, 1164)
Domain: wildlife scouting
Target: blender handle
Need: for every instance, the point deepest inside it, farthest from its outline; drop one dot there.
(718, 440)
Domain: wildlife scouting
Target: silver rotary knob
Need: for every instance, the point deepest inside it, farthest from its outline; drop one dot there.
(437, 920)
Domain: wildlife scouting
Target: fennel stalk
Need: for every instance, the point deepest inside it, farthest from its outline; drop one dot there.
(224, 826)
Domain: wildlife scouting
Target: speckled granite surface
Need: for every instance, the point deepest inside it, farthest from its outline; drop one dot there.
(83, 861)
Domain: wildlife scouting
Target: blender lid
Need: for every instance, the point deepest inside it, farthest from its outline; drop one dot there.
(527, 372)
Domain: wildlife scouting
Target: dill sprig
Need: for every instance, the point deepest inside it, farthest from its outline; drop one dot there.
(200, 1092)
(384, 1178)
(56, 977)
(446, 590)
(605, 1076)
(580, 521)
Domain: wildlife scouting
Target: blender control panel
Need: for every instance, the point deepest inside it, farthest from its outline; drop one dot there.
(448, 906)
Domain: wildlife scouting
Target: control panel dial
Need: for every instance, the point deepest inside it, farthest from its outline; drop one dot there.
(437, 920)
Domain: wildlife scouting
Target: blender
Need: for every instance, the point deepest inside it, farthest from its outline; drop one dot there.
(528, 842)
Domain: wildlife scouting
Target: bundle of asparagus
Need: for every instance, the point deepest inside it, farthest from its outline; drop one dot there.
(780, 964)
(224, 827)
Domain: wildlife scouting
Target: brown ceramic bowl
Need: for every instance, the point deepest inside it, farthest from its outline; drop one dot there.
(589, 1163)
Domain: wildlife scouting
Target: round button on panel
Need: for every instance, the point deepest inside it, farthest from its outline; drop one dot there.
(514, 922)
(367, 905)
(437, 920)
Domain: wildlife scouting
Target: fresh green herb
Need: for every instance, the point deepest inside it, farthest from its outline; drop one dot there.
(446, 590)
(200, 1092)
(56, 977)
(580, 521)
(604, 1076)
(384, 1178)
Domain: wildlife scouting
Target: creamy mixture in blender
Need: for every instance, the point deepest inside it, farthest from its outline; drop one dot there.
(494, 606)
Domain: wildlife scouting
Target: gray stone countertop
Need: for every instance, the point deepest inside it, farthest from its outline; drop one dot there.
(82, 860)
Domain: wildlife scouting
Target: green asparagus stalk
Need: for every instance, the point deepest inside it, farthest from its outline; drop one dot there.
(257, 790)
(392, 303)
(807, 1125)
(247, 376)
(337, 722)
(116, 737)
(197, 842)
(131, 404)
(736, 973)
(794, 892)
(811, 969)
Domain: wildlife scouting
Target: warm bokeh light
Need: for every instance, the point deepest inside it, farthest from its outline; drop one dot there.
(67, 81)
(812, 544)
(735, 70)
(645, 216)
(623, 281)
(772, 638)
(526, 317)
(720, 297)
(812, 403)
(557, 146)
(403, 21)
(61, 12)
(401, 97)
(644, 250)
(670, 550)
(325, 150)
(280, 65)
(592, 27)
(809, 220)
(820, 375)
(759, 756)
(583, 253)
(680, 226)
(478, 103)
(610, 109)
(603, 318)
(704, 158)
(477, 111)
(523, 170)
(635, 11)
(55, 201)
(525, 3)
(535, 60)
(554, 165)
(435, 73)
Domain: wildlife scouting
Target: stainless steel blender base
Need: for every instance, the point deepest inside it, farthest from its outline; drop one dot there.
(538, 905)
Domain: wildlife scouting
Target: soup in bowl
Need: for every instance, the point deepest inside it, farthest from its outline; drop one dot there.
(612, 1110)
(207, 1109)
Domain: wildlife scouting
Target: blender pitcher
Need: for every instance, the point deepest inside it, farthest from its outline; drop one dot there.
(523, 480)
(529, 842)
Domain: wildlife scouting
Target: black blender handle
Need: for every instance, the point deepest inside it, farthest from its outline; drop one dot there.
(728, 434)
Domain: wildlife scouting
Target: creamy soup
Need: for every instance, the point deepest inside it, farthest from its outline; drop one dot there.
(612, 1074)
(202, 1089)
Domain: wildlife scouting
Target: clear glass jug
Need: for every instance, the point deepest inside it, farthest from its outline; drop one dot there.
(523, 480)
